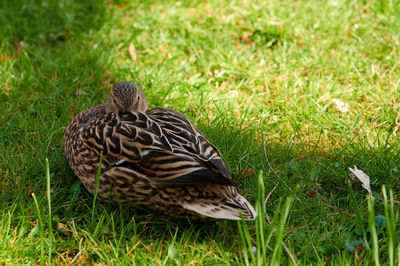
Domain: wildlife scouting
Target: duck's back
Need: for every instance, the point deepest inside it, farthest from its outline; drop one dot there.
(82, 159)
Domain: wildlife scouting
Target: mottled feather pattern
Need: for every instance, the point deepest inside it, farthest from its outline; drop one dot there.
(156, 158)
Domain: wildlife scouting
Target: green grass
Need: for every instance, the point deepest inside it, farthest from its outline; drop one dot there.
(232, 67)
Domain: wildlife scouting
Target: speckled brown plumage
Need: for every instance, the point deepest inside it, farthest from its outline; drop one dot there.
(156, 158)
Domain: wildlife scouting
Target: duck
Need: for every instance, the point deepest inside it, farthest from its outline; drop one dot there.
(155, 158)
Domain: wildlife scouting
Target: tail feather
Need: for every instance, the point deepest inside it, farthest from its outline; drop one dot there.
(229, 209)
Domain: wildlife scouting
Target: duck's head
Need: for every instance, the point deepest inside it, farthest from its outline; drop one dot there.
(126, 97)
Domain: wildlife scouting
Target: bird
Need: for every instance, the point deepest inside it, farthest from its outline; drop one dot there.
(155, 158)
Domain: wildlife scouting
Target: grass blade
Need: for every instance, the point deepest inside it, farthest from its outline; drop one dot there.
(96, 188)
(49, 206)
(372, 229)
(40, 229)
(273, 221)
(360, 217)
(246, 236)
(389, 228)
(390, 224)
(276, 256)
(244, 242)
(261, 225)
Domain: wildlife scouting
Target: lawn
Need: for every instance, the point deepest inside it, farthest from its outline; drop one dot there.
(293, 93)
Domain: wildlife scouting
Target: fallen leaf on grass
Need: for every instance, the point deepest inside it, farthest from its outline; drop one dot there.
(132, 51)
(16, 54)
(397, 123)
(71, 112)
(6, 89)
(312, 194)
(340, 105)
(134, 246)
(248, 172)
(64, 228)
(119, 46)
(363, 177)
(275, 23)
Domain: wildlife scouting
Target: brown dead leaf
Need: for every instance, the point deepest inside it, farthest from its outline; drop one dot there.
(64, 228)
(71, 112)
(246, 38)
(312, 194)
(45, 193)
(358, 248)
(248, 172)
(397, 124)
(7, 88)
(132, 52)
(119, 46)
(304, 71)
(134, 247)
(16, 54)
(33, 223)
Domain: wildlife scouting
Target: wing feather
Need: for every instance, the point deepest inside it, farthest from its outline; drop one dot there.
(162, 145)
(186, 139)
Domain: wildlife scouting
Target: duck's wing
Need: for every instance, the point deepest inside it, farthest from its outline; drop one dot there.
(127, 137)
(162, 146)
(193, 160)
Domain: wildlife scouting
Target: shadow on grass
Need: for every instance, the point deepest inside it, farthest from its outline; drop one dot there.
(47, 22)
(49, 64)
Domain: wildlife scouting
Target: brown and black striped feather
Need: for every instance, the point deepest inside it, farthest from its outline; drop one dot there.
(162, 145)
(186, 139)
